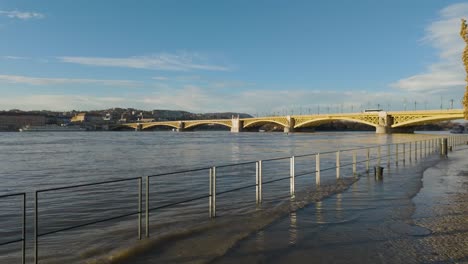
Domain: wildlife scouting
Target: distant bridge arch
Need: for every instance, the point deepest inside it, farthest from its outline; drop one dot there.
(152, 125)
(402, 119)
(260, 122)
(325, 120)
(197, 123)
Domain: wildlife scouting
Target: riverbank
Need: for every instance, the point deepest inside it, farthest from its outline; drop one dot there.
(442, 207)
(416, 215)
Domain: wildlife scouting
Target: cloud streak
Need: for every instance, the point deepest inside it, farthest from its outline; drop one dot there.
(198, 99)
(447, 73)
(19, 79)
(164, 61)
(21, 15)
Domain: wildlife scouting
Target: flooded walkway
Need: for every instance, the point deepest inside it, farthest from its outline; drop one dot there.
(406, 218)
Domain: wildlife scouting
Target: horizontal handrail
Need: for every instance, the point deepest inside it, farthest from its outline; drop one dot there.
(237, 189)
(177, 203)
(12, 194)
(87, 184)
(11, 241)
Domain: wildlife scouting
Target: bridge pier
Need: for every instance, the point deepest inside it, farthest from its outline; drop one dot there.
(139, 127)
(383, 130)
(385, 123)
(291, 123)
(237, 125)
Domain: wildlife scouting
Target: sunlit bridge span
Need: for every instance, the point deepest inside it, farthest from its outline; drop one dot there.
(384, 122)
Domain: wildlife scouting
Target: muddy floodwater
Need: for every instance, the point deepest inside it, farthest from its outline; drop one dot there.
(417, 213)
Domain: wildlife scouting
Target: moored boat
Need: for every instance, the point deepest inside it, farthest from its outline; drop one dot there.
(51, 128)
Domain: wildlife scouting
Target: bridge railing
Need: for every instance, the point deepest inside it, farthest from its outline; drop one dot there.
(212, 196)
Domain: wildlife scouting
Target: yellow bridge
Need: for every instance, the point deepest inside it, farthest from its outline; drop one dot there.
(384, 122)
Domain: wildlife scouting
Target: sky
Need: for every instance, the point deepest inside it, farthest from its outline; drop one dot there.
(257, 57)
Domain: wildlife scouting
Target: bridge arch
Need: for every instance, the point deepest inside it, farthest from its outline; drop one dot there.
(159, 124)
(320, 121)
(191, 125)
(261, 122)
(427, 119)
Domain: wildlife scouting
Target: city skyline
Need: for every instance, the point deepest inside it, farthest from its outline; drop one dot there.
(218, 56)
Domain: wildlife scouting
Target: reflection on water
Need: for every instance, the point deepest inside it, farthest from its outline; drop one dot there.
(260, 241)
(318, 212)
(338, 208)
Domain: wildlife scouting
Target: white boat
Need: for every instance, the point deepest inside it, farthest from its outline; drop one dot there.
(51, 128)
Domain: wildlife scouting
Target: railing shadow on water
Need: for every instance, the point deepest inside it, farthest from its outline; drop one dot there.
(216, 190)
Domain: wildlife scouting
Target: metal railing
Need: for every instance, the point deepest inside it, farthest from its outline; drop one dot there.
(23, 226)
(38, 234)
(395, 153)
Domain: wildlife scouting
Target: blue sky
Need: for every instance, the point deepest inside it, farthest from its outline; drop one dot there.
(247, 56)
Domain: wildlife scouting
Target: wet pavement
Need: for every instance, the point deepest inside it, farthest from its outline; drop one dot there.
(417, 214)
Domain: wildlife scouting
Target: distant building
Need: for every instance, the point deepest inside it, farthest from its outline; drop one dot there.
(108, 117)
(14, 121)
(86, 117)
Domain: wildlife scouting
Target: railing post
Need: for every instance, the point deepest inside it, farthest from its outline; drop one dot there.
(291, 176)
(317, 169)
(258, 182)
(36, 226)
(23, 245)
(425, 148)
(338, 164)
(388, 156)
(354, 163)
(212, 196)
(379, 156)
(410, 152)
(140, 180)
(420, 149)
(415, 151)
(367, 160)
(147, 206)
(404, 153)
(396, 154)
(445, 147)
(440, 147)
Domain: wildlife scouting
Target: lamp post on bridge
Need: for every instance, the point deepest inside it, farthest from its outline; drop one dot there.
(464, 35)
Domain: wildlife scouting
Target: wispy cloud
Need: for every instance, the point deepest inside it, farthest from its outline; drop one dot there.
(60, 102)
(21, 15)
(447, 73)
(15, 58)
(164, 61)
(160, 78)
(19, 79)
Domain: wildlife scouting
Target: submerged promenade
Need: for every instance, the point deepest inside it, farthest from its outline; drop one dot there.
(417, 214)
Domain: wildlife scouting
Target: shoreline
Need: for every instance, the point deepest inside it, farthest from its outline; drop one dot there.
(387, 229)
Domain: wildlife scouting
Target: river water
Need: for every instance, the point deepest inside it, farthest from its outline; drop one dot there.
(40, 161)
